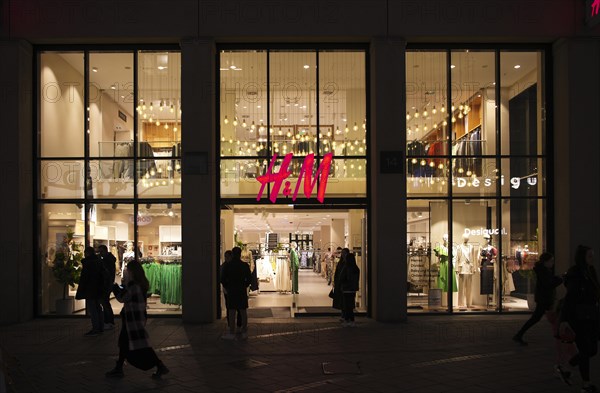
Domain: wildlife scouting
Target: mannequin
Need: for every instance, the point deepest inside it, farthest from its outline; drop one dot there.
(488, 254)
(466, 257)
(441, 251)
(295, 265)
(129, 254)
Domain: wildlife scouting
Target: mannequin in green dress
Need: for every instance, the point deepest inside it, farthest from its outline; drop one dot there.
(441, 251)
(295, 264)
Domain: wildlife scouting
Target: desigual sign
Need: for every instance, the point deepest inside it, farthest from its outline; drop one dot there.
(279, 179)
(485, 231)
(515, 182)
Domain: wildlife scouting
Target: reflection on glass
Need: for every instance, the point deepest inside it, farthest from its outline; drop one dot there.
(243, 104)
(426, 112)
(61, 179)
(238, 177)
(110, 104)
(159, 178)
(523, 177)
(473, 107)
(61, 104)
(342, 96)
(427, 176)
(523, 131)
(112, 178)
(62, 237)
(159, 104)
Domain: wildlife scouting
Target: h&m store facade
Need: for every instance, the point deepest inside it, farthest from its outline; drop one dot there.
(447, 165)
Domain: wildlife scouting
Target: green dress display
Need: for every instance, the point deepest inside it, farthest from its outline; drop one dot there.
(295, 265)
(442, 282)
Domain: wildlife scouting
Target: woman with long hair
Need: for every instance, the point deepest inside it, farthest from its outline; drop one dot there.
(580, 312)
(133, 339)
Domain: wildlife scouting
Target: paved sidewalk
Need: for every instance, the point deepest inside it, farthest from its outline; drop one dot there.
(427, 354)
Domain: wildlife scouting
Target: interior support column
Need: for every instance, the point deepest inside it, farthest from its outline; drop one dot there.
(198, 192)
(388, 191)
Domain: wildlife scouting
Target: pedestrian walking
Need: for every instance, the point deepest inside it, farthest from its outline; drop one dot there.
(338, 294)
(226, 258)
(109, 264)
(349, 278)
(134, 345)
(580, 312)
(545, 293)
(91, 289)
(236, 278)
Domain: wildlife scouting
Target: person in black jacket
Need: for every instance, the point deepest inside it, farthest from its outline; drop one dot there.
(109, 264)
(338, 294)
(545, 292)
(91, 288)
(236, 278)
(349, 277)
(580, 312)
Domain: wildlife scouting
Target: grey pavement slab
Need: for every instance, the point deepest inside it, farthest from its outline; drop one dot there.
(426, 354)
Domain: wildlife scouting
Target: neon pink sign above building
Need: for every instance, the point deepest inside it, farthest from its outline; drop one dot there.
(279, 179)
(595, 7)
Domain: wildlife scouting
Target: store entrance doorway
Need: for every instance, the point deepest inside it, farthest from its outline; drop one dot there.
(293, 253)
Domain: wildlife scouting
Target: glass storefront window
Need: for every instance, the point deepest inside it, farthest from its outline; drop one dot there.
(302, 120)
(62, 104)
(104, 183)
(495, 164)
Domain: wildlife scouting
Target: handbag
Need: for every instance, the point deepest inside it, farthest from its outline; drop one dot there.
(144, 358)
(331, 294)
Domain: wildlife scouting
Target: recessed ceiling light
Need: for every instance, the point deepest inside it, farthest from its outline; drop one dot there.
(113, 87)
(452, 66)
(162, 67)
(224, 69)
(94, 69)
(306, 66)
(517, 66)
(232, 67)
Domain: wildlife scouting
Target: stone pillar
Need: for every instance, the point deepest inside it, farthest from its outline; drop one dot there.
(576, 146)
(387, 250)
(198, 192)
(16, 231)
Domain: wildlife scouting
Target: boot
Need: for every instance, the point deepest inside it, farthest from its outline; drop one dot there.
(115, 372)
(161, 370)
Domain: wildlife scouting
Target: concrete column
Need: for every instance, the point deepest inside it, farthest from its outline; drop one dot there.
(16, 231)
(576, 146)
(198, 192)
(387, 250)
(337, 233)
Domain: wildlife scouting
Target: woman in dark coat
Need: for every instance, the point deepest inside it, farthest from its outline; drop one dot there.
(545, 292)
(338, 294)
(349, 278)
(91, 289)
(580, 312)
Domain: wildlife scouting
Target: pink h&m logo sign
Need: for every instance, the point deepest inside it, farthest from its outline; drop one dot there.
(306, 170)
(595, 7)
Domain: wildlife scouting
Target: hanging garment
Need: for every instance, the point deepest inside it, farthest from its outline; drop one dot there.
(282, 275)
(488, 255)
(295, 264)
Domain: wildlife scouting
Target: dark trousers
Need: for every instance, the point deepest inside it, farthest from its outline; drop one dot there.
(586, 339)
(238, 315)
(109, 316)
(94, 310)
(538, 313)
(348, 306)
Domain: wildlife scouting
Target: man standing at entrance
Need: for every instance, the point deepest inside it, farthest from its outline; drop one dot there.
(236, 278)
(294, 261)
(109, 263)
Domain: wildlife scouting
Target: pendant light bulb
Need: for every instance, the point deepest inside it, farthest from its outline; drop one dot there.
(453, 108)
(355, 127)
(416, 114)
(434, 111)
(244, 123)
(407, 116)
(425, 113)
(443, 108)
(235, 121)
(346, 129)
(226, 120)
(253, 126)
(172, 110)
(460, 115)
(151, 107)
